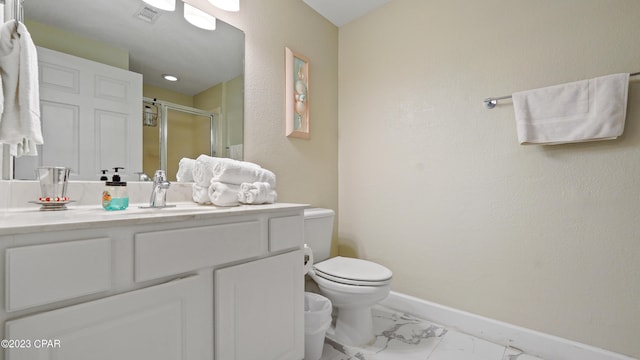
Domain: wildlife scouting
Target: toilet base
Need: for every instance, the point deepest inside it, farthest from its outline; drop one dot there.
(354, 326)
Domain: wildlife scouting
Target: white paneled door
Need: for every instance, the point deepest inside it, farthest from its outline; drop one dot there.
(91, 117)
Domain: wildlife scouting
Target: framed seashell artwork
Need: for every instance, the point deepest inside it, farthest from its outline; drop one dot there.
(297, 95)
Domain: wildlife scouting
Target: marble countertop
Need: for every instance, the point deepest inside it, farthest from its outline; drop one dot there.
(30, 220)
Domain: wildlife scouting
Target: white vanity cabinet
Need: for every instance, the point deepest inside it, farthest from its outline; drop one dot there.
(257, 305)
(162, 322)
(222, 285)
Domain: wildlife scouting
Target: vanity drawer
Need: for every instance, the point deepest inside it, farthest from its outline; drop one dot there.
(165, 253)
(286, 232)
(42, 274)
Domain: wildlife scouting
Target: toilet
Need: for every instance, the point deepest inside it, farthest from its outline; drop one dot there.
(352, 285)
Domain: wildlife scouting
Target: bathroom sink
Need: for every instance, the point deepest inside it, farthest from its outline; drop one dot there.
(176, 208)
(143, 210)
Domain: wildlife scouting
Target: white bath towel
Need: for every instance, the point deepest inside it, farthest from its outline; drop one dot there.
(238, 172)
(257, 193)
(222, 194)
(203, 169)
(20, 122)
(235, 151)
(200, 194)
(585, 110)
(185, 170)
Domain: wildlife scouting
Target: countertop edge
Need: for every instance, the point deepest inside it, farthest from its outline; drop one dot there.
(23, 221)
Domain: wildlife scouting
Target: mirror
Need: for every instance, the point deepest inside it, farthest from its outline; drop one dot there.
(131, 35)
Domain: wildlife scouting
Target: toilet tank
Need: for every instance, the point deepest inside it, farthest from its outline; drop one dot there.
(318, 231)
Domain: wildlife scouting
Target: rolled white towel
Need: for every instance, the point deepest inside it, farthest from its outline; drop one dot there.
(185, 170)
(222, 194)
(200, 194)
(239, 172)
(203, 170)
(257, 193)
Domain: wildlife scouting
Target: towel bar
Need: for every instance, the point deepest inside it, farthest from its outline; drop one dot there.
(491, 102)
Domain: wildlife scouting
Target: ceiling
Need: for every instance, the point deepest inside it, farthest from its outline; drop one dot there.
(340, 12)
(169, 44)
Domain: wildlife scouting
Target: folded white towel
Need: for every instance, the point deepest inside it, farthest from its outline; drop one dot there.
(200, 194)
(20, 123)
(238, 172)
(257, 193)
(185, 170)
(585, 110)
(222, 194)
(203, 169)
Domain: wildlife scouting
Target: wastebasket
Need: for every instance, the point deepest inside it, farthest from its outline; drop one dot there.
(317, 319)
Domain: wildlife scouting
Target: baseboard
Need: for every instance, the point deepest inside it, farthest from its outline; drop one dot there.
(546, 346)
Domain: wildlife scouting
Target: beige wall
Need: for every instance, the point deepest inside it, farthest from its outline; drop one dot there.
(437, 188)
(234, 110)
(306, 170)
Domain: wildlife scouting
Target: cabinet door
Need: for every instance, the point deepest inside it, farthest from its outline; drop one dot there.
(167, 321)
(259, 309)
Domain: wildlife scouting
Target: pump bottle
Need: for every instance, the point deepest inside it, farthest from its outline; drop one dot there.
(115, 195)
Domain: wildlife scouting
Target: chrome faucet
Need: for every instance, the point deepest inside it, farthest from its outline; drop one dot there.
(160, 187)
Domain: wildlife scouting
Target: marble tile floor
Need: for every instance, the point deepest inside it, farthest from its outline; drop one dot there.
(400, 336)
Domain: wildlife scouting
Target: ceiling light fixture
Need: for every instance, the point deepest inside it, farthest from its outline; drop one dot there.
(168, 5)
(169, 77)
(228, 5)
(199, 18)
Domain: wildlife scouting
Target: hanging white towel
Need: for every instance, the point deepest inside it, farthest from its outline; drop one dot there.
(185, 170)
(222, 194)
(235, 151)
(586, 110)
(20, 122)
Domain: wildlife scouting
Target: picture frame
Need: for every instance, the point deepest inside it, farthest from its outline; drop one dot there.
(297, 95)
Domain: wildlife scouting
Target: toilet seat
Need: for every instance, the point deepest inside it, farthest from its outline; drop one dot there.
(352, 271)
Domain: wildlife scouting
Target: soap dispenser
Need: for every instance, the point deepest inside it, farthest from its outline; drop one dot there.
(115, 196)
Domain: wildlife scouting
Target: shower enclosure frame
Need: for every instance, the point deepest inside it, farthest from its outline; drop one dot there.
(163, 119)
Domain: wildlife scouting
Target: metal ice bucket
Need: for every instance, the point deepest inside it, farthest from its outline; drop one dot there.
(53, 182)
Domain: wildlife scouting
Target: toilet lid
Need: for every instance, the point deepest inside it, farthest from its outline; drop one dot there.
(353, 271)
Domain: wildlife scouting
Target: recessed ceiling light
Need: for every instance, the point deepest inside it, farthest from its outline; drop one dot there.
(169, 77)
